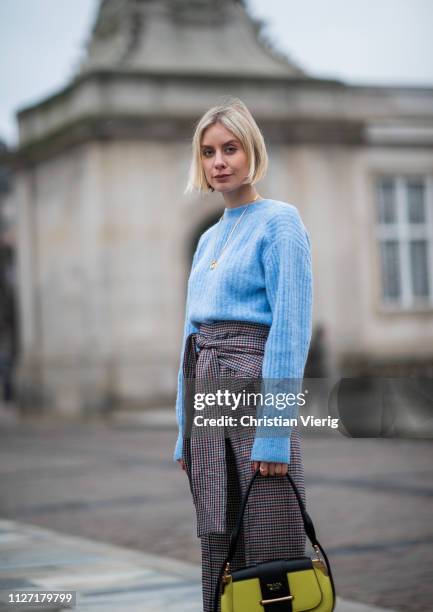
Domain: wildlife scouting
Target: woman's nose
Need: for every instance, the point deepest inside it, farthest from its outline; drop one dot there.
(219, 161)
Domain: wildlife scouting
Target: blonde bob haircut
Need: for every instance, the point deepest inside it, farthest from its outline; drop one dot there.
(235, 116)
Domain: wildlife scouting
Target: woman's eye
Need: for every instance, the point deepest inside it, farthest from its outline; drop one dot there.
(209, 152)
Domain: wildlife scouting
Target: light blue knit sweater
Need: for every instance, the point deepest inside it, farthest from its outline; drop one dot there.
(263, 276)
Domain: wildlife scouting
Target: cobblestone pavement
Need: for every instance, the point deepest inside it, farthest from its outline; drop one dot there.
(371, 500)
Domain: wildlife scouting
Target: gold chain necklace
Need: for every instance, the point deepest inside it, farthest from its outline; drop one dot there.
(215, 260)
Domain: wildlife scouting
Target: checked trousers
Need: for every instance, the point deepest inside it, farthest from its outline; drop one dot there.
(272, 526)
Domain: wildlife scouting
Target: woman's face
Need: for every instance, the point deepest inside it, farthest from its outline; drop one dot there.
(224, 161)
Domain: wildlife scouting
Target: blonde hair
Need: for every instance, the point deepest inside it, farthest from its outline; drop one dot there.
(235, 116)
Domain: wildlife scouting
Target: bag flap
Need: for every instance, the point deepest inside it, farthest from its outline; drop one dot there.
(277, 567)
(300, 575)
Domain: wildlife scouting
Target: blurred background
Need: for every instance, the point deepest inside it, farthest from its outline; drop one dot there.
(98, 105)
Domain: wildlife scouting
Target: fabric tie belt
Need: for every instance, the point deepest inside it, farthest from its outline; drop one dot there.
(218, 350)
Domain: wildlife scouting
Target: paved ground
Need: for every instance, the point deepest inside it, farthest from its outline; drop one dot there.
(371, 500)
(105, 578)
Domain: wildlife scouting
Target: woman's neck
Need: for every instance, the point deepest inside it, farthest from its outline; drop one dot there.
(239, 197)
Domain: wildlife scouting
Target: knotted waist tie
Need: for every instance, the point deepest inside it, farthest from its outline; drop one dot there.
(238, 346)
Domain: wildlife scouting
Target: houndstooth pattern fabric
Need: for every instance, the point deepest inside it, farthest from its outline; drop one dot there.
(219, 468)
(272, 525)
(225, 349)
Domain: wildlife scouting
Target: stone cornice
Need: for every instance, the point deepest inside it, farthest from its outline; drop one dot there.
(189, 78)
(170, 130)
(176, 78)
(110, 105)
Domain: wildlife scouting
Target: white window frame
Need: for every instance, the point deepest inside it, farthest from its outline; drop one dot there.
(403, 232)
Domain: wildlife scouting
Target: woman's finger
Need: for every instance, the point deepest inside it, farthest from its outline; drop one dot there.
(263, 468)
(270, 469)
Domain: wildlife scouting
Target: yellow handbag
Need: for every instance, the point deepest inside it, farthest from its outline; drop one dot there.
(284, 585)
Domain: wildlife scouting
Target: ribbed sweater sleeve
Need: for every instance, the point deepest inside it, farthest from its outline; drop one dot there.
(188, 329)
(288, 274)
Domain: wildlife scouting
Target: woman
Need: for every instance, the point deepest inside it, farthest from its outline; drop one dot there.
(248, 315)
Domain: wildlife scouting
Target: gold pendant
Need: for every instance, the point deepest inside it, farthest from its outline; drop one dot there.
(213, 264)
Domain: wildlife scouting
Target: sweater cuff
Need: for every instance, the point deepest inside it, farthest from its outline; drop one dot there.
(272, 450)
(178, 448)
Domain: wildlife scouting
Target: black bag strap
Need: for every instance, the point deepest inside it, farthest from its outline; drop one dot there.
(308, 526)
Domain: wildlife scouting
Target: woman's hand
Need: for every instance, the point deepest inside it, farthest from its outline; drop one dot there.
(182, 463)
(271, 469)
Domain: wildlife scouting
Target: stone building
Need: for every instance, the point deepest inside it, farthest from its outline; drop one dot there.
(105, 234)
(8, 307)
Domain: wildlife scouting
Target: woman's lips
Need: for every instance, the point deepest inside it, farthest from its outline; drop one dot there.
(222, 178)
